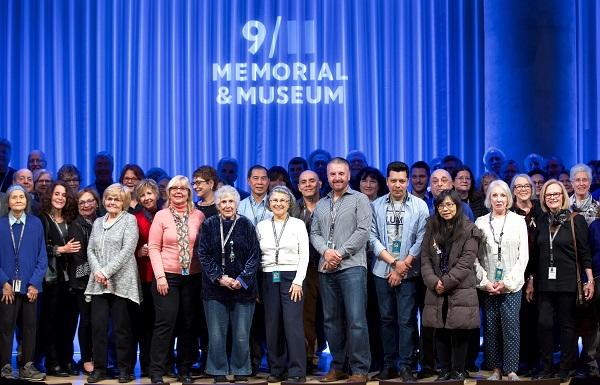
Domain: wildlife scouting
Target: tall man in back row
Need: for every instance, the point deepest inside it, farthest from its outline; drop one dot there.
(339, 232)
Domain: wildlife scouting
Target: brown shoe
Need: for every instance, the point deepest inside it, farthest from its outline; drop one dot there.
(358, 378)
(333, 375)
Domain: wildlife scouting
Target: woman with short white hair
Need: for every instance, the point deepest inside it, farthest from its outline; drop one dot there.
(230, 254)
(581, 201)
(500, 271)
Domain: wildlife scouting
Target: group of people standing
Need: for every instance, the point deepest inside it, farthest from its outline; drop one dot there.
(144, 268)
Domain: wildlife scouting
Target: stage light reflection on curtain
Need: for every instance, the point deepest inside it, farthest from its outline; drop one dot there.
(136, 78)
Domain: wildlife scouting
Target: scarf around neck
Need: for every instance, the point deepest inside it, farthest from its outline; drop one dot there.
(183, 240)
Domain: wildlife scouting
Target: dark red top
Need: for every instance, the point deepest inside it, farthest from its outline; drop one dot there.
(144, 222)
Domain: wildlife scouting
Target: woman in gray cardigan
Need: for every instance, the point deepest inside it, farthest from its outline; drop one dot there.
(114, 281)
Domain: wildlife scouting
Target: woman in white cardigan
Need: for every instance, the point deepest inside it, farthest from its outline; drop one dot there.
(500, 271)
(284, 248)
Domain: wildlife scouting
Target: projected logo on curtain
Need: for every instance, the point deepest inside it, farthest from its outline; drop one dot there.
(280, 82)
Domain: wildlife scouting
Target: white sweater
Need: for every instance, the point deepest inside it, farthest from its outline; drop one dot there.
(515, 251)
(293, 247)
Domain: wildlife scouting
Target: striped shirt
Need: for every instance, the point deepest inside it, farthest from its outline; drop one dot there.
(352, 214)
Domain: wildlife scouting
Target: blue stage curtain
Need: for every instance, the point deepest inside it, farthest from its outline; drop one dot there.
(136, 78)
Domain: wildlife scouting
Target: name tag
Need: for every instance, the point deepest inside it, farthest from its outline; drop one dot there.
(396, 247)
(498, 274)
(185, 271)
(552, 272)
(276, 277)
(16, 284)
(330, 245)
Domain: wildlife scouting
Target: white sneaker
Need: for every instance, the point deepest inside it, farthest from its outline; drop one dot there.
(513, 377)
(495, 377)
(7, 372)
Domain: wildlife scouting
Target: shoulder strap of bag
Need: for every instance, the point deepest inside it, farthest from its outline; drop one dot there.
(575, 247)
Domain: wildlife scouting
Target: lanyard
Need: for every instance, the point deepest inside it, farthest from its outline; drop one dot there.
(333, 211)
(278, 237)
(398, 214)
(551, 237)
(224, 240)
(17, 246)
(254, 212)
(499, 241)
(62, 235)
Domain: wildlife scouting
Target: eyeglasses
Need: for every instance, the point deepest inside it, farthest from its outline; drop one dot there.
(128, 179)
(522, 187)
(282, 200)
(447, 205)
(198, 182)
(44, 181)
(88, 202)
(179, 188)
(555, 195)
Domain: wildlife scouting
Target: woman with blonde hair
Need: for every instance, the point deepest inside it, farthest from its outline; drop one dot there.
(114, 282)
(178, 279)
(562, 251)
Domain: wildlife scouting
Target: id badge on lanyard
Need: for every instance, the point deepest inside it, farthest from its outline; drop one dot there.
(276, 277)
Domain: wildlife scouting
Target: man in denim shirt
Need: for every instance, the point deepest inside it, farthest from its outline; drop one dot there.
(396, 233)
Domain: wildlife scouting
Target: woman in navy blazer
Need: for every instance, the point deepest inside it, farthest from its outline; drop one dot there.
(23, 263)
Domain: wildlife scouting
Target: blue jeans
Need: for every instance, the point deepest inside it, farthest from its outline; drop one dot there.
(344, 296)
(398, 312)
(219, 316)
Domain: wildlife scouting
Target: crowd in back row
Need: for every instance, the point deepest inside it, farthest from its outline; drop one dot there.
(328, 249)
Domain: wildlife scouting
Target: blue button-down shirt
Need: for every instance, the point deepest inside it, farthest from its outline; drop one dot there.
(255, 211)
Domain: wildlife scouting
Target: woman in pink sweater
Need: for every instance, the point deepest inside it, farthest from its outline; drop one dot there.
(177, 279)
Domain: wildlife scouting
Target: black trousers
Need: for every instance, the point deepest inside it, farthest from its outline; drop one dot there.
(284, 324)
(27, 312)
(561, 305)
(142, 316)
(178, 307)
(58, 325)
(84, 334)
(427, 335)
(529, 349)
(451, 345)
(107, 306)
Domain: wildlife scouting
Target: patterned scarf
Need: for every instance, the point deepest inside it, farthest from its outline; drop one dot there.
(183, 240)
(581, 206)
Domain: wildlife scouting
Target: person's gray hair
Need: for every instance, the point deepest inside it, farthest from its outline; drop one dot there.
(512, 182)
(227, 190)
(18, 187)
(505, 189)
(39, 172)
(580, 167)
(286, 191)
